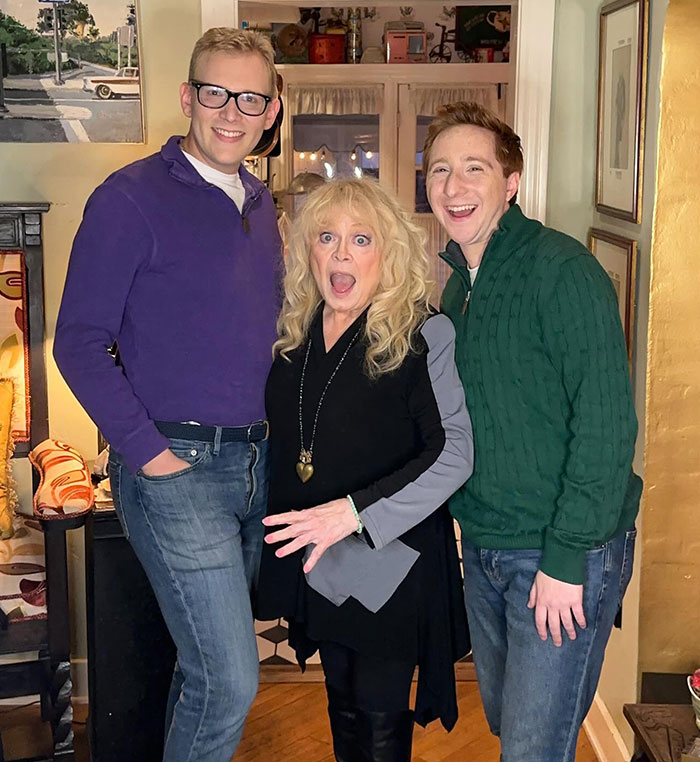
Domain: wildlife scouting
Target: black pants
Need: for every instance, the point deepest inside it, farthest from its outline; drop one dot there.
(366, 682)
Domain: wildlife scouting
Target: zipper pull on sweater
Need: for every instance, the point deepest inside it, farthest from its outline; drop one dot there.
(246, 225)
(466, 302)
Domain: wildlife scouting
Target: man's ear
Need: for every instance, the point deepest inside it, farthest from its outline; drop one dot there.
(186, 99)
(512, 185)
(271, 113)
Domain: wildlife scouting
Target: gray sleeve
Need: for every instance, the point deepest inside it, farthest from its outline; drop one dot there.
(401, 500)
(351, 568)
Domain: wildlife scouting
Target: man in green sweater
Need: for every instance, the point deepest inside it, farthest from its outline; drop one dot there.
(548, 516)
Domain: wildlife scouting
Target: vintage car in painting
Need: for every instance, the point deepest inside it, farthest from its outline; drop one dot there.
(124, 82)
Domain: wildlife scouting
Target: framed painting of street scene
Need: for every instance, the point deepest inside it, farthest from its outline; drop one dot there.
(70, 72)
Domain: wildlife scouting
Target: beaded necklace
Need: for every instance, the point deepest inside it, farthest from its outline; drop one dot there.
(304, 466)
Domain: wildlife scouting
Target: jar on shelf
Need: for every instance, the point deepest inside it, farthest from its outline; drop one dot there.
(354, 35)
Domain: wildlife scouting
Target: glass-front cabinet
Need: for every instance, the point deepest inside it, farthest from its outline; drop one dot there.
(371, 118)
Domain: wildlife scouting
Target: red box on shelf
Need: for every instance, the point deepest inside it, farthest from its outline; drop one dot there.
(326, 48)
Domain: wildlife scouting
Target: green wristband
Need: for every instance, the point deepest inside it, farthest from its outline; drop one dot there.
(360, 525)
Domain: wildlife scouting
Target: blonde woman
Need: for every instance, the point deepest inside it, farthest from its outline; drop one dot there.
(369, 436)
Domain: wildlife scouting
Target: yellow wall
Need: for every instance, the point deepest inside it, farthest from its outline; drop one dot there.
(670, 602)
(65, 174)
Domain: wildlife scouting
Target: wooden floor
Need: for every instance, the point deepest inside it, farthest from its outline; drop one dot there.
(288, 722)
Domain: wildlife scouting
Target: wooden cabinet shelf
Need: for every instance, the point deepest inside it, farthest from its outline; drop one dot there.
(242, 4)
(410, 72)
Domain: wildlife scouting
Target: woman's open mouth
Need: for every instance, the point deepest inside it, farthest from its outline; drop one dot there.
(342, 283)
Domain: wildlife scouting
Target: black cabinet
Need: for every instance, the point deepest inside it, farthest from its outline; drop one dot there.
(130, 653)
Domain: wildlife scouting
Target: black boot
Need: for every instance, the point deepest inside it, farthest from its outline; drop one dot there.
(345, 731)
(385, 736)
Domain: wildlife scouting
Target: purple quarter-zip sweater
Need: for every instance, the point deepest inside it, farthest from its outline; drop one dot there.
(164, 263)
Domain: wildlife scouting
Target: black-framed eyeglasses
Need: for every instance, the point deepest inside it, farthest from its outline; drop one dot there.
(215, 96)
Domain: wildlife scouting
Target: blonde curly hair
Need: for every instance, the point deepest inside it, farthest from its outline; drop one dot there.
(402, 300)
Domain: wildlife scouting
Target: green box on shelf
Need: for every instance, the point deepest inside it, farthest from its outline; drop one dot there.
(484, 27)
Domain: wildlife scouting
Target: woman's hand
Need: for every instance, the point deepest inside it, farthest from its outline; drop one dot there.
(321, 526)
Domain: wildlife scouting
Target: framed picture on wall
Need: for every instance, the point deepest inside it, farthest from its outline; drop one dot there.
(618, 256)
(71, 72)
(622, 77)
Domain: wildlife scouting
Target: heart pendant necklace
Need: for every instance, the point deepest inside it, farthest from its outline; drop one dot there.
(304, 467)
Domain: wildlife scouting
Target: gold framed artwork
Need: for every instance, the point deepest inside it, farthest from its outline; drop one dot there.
(618, 256)
(622, 78)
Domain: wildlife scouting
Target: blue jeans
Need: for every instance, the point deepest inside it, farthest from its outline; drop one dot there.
(198, 534)
(536, 695)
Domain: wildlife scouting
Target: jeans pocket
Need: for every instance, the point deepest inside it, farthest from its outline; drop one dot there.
(627, 561)
(193, 454)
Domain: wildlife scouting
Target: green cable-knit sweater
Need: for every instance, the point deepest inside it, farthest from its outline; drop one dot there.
(541, 352)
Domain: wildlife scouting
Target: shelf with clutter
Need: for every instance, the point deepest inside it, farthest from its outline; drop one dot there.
(342, 34)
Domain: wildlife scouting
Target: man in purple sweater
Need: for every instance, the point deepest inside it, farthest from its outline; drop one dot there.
(178, 260)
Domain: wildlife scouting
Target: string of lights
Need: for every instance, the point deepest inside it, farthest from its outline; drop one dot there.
(321, 152)
(329, 162)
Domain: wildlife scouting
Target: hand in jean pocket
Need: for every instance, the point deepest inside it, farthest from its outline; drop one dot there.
(164, 464)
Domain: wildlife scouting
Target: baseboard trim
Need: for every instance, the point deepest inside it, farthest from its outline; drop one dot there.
(290, 673)
(605, 738)
(464, 671)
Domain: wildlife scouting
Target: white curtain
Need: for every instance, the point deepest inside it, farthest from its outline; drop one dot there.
(334, 99)
(426, 99)
(437, 239)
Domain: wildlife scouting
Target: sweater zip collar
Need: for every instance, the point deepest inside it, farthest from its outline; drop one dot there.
(182, 170)
(513, 230)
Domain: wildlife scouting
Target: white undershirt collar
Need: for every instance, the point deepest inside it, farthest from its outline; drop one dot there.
(231, 185)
